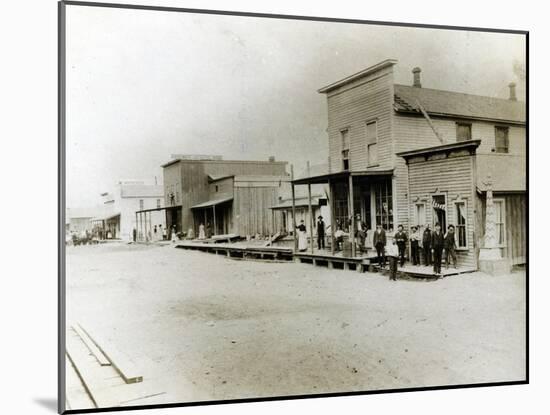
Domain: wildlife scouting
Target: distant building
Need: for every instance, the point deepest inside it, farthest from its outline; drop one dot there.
(79, 220)
(121, 205)
(232, 196)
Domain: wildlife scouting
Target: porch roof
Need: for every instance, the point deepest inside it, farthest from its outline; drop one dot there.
(212, 202)
(106, 216)
(324, 178)
(470, 145)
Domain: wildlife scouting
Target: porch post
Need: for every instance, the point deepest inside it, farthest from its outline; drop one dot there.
(352, 215)
(310, 215)
(332, 218)
(293, 208)
(140, 228)
(214, 213)
(136, 228)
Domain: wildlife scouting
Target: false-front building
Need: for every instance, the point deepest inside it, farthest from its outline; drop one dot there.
(231, 196)
(417, 156)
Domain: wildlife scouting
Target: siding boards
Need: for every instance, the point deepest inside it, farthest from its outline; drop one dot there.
(413, 132)
(451, 177)
(251, 210)
(352, 107)
(515, 206)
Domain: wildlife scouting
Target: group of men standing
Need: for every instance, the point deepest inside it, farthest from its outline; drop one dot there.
(431, 243)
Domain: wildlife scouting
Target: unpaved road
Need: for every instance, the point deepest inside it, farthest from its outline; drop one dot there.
(205, 327)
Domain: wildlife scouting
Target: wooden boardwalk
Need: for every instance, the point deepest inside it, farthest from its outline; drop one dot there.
(240, 250)
(361, 263)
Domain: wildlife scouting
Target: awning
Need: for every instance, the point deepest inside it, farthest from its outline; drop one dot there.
(302, 202)
(324, 178)
(212, 203)
(107, 216)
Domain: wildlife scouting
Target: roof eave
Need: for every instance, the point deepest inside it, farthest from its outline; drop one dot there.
(467, 117)
(358, 75)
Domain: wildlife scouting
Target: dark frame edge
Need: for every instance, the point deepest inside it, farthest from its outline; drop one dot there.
(287, 16)
(61, 317)
(295, 397)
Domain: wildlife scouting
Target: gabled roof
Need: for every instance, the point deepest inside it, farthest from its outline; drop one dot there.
(448, 103)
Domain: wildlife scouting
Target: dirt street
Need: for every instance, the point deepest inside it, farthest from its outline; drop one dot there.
(206, 327)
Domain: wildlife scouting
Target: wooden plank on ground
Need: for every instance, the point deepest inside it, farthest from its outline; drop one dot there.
(76, 395)
(91, 374)
(98, 354)
(119, 360)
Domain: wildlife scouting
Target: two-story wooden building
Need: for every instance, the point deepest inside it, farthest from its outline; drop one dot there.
(414, 156)
(232, 196)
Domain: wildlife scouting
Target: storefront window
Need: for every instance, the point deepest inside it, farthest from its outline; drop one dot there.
(384, 204)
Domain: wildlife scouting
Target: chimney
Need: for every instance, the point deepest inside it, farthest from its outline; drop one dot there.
(416, 77)
(512, 86)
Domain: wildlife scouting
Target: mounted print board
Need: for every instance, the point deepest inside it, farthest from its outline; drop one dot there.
(260, 207)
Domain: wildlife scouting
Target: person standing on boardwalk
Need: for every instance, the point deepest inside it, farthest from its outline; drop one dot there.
(202, 235)
(427, 245)
(134, 234)
(302, 236)
(360, 232)
(415, 239)
(174, 233)
(438, 243)
(320, 233)
(450, 247)
(208, 230)
(401, 241)
(379, 242)
(392, 253)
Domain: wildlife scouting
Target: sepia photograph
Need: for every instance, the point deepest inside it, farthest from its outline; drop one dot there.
(267, 206)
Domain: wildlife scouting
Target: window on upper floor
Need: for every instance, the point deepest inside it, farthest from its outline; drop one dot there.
(158, 203)
(345, 149)
(463, 131)
(140, 204)
(372, 143)
(501, 140)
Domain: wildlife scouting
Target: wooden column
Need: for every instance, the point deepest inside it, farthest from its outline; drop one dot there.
(214, 213)
(136, 228)
(310, 207)
(293, 208)
(140, 229)
(352, 215)
(332, 218)
(310, 215)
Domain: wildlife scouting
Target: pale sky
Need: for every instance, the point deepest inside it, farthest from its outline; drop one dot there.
(142, 85)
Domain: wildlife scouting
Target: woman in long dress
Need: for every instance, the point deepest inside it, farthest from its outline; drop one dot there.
(202, 235)
(302, 236)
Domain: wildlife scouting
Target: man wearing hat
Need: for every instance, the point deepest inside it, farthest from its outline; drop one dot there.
(320, 233)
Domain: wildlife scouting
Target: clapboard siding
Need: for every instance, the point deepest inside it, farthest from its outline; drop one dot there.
(413, 132)
(352, 107)
(515, 206)
(452, 177)
(251, 211)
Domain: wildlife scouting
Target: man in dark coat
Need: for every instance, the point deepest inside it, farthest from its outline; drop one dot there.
(360, 232)
(450, 247)
(320, 233)
(401, 241)
(427, 245)
(438, 243)
(379, 242)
